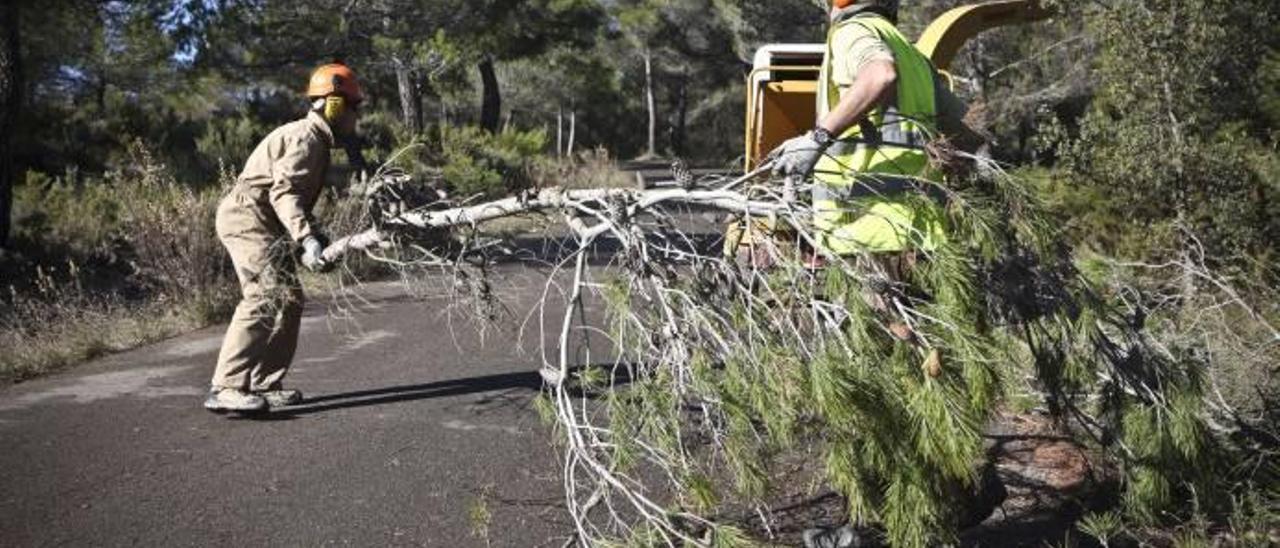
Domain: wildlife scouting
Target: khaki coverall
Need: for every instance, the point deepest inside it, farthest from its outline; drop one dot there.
(269, 207)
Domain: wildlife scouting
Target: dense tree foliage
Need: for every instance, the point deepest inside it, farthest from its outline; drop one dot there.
(10, 97)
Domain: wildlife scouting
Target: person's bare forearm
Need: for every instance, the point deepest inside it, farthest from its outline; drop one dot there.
(874, 81)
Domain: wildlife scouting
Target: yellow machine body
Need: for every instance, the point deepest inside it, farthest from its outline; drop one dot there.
(942, 39)
(785, 110)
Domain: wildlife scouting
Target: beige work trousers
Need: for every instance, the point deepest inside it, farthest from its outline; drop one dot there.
(263, 334)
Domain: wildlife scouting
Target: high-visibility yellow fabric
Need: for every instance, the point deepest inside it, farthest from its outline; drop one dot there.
(851, 213)
(858, 45)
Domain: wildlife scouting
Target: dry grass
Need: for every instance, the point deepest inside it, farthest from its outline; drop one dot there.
(45, 333)
(588, 169)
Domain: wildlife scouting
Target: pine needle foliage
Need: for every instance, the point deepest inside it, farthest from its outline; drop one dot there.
(729, 369)
(733, 366)
(884, 370)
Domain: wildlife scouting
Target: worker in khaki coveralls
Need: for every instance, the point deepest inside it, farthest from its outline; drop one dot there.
(259, 222)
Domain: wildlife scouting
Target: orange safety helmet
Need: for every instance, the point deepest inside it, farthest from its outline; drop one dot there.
(887, 8)
(335, 79)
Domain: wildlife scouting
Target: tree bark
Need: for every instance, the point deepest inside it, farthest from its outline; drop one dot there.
(559, 131)
(681, 115)
(648, 97)
(410, 96)
(556, 198)
(10, 98)
(491, 107)
(573, 129)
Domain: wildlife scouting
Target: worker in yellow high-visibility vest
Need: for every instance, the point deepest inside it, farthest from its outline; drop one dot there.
(875, 199)
(879, 103)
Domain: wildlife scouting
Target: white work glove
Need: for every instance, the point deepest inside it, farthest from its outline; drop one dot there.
(313, 254)
(797, 156)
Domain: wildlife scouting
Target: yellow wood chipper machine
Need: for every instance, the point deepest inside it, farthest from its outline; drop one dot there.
(782, 86)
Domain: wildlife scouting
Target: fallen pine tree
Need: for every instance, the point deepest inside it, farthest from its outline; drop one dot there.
(726, 365)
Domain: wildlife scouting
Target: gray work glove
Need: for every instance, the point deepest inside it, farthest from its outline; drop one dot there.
(797, 156)
(842, 537)
(313, 254)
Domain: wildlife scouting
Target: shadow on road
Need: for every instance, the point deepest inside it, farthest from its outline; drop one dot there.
(524, 380)
(394, 394)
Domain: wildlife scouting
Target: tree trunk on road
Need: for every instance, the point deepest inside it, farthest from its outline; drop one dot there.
(10, 97)
(491, 108)
(648, 97)
(410, 96)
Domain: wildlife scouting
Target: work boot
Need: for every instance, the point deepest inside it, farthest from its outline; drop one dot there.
(221, 400)
(279, 396)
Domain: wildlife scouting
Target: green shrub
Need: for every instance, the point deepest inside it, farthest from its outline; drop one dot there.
(383, 134)
(65, 216)
(227, 141)
(479, 163)
(1173, 139)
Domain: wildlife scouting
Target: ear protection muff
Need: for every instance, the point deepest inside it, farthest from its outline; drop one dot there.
(334, 107)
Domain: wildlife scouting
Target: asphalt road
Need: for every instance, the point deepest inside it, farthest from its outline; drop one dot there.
(411, 423)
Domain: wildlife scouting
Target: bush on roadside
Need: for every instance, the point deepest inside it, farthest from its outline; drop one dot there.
(62, 322)
(228, 141)
(468, 161)
(169, 229)
(69, 216)
(106, 264)
(488, 165)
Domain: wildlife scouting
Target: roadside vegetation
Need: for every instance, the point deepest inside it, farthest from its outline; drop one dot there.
(101, 264)
(1141, 135)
